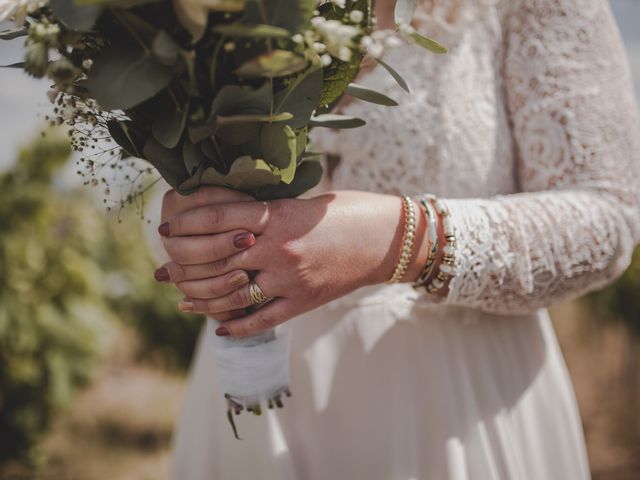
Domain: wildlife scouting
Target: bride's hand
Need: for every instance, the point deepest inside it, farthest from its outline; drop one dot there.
(304, 252)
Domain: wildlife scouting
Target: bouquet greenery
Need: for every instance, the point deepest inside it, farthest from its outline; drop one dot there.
(209, 92)
(216, 92)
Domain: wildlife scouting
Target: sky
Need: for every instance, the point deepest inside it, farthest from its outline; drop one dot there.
(23, 101)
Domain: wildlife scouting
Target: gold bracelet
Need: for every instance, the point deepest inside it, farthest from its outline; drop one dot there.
(432, 225)
(408, 239)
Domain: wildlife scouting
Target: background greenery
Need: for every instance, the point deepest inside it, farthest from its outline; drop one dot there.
(69, 275)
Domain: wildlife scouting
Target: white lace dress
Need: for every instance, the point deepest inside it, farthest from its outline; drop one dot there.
(528, 130)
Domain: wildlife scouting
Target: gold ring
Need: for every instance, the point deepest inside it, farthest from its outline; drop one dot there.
(256, 293)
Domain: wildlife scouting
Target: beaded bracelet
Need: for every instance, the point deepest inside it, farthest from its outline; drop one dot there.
(407, 240)
(432, 226)
(446, 267)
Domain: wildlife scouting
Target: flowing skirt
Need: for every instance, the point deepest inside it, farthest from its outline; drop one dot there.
(388, 387)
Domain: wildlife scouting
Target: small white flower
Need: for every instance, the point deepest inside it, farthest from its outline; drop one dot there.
(356, 16)
(339, 3)
(319, 47)
(317, 21)
(326, 60)
(297, 38)
(344, 54)
(373, 47)
(392, 41)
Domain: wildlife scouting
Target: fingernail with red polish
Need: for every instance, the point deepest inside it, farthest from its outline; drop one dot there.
(222, 331)
(244, 240)
(162, 274)
(164, 229)
(237, 313)
(186, 306)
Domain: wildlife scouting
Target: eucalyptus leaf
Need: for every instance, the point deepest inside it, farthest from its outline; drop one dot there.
(292, 15)
(428, 43)
(368, 95)
(124, 135)
(302, 139)
(404, 11)
(396, 76)
(13, 33)
(245, 173)
(192, 156)
(236, 100)
(249, 118)
(238, 133)
(308, 175)
(198, 133)
(123, 77)
(278, 145)
(251, 31)
(75, 17)
(167, 128)
(275, 63)
(332, 120)
(165, 48)
(301, 97)
(167, 161)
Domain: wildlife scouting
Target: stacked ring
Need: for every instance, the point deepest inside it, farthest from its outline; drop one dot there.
(257, 295)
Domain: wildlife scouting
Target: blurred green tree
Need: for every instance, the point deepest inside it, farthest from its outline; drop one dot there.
(620, 301)
(68, 274)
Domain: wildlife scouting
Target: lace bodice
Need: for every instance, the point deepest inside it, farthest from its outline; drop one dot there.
(528, 129)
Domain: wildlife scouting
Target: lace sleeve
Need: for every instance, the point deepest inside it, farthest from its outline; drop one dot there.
(575, 224)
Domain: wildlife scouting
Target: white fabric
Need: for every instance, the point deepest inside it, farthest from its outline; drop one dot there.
(528, 130)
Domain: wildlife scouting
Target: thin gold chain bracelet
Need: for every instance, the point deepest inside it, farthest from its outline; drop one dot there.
(408, 240)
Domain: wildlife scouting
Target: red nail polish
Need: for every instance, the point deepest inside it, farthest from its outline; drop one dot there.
(222, 331)
(244, 240)
(164, 229)
(162, 274)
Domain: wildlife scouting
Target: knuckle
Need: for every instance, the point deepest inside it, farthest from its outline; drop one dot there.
(267, 321)
(292, 252)
(213, 216)
(216, 250)
(238, 298)
(221, 266)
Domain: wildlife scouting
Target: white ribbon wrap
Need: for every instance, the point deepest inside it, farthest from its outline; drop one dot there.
(254, 369)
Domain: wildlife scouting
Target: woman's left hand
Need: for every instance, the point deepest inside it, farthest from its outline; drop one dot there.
(304, 252)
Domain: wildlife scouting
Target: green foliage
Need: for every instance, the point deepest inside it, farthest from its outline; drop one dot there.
(52, 318)
(621, 300)
(68, 274)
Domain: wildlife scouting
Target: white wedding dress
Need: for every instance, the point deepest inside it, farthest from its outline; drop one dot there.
(528, 129)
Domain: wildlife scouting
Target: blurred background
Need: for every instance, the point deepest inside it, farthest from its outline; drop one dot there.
(93, 355)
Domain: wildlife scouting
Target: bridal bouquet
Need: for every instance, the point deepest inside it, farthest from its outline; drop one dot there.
(209, 92)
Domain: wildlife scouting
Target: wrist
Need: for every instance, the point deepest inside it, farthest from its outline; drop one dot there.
(420, 250)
